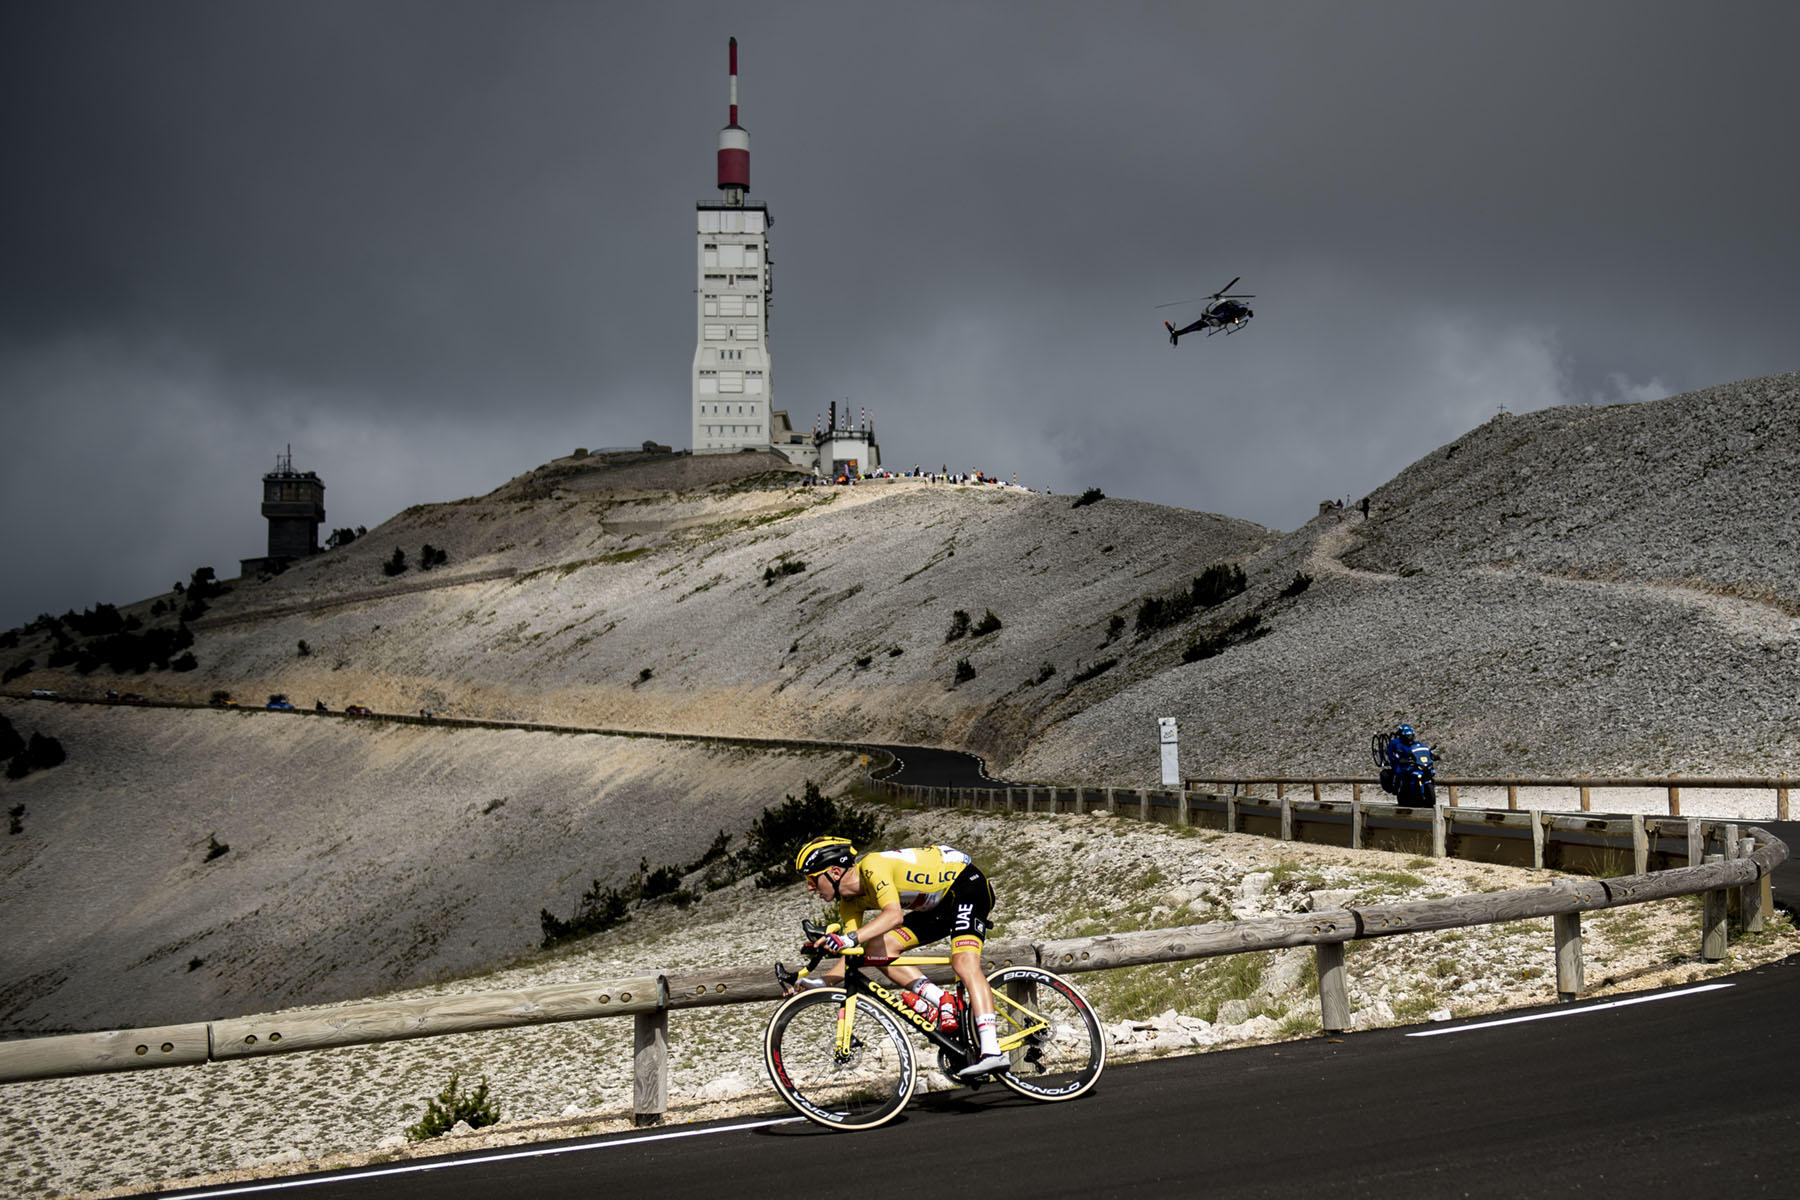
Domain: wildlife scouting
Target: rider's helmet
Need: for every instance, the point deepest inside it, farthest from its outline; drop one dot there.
(823, 853)
(1405, 734)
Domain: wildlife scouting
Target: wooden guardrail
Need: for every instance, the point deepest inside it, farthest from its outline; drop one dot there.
(1672, 785)
(1734, 868)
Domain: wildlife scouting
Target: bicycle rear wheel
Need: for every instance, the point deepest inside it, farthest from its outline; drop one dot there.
(1049, 1030)
(843, 1078)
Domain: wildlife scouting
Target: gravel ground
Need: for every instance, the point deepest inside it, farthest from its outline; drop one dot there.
(1056, 876)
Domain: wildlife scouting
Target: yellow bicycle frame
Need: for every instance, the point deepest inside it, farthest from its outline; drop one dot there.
(1021, 1029)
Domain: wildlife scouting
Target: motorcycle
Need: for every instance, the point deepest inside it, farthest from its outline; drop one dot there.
(1412, 781)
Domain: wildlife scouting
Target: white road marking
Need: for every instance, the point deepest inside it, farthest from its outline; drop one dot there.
(443, 1164)
(1573, 1012)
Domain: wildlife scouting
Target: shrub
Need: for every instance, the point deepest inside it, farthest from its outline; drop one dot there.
(44, 752)
(1299, 583)
(601, 908)
(987, 625)
(431, 556)
(1087, 673)
(645, 674)
(305, 651)
(959, 626)
(790, 566)
(25, 667)
(1217, 584)
(16, 819)
(1246, 628)
(782, 829)
(1044, 672)
(214, 847)
(1091, 496)
(964, 672)
(396, 564)
(1115, 625)
(452, 1105)
(10, 741)
(663, 881)
(862, 663)
(186, 662)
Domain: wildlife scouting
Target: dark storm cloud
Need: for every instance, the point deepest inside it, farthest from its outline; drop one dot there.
(434, 245)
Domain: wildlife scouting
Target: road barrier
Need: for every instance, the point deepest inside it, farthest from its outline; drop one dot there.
(1729, 870)
(1583, 784)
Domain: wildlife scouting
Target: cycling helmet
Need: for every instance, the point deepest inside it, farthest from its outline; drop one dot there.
(823, 853)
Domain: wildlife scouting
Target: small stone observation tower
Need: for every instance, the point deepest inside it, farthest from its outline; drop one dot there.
(294, 503)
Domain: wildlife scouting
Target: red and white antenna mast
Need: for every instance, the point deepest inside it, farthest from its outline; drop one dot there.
(734, 147)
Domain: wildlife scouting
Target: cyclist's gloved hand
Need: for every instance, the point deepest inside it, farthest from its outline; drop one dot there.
(836, 943)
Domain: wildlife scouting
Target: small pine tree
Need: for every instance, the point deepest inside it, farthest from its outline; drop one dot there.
(452, 1105)
(396, 564)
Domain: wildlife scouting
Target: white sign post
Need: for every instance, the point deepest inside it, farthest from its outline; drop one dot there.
(1171, 758)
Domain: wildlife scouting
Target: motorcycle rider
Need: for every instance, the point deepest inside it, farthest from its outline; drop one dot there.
(1405, 755)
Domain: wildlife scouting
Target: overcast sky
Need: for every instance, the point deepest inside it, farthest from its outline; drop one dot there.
(435, 245)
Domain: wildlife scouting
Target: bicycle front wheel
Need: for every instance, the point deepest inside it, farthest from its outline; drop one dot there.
(1049, 1031)
(840, 1061)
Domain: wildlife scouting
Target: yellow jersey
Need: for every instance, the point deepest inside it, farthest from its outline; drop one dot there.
(917, 878)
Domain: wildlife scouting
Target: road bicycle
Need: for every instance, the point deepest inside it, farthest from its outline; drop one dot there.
(840, 1055)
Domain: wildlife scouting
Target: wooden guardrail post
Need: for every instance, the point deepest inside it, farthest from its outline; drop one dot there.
(1674, 801)
(1696, 842)
(1356, 824)
(1280, 789)
(1182, 813)
(1112, 801)
(1453, 798)
(1781, 804)
(1640, 845)
(1355, 792)
(650, 1067)
(1440, 833)
(1750, 910)
(1080, 799)
(1512, 797)
(1143, 804)
(1287, 820)
(1537, 838)
(1231, 813)
(1568, 955)
(1587, 799)
(1315, 788)
(1713, 936)
(1334, 990)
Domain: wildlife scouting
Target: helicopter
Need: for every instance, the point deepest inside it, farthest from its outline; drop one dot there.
(1224, 310)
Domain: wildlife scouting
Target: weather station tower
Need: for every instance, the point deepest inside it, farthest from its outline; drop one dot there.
(294, 504)
(732, 389)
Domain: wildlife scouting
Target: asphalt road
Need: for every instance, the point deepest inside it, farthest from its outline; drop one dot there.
(923, 766)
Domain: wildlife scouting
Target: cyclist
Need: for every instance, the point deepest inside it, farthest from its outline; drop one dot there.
(916, 895)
